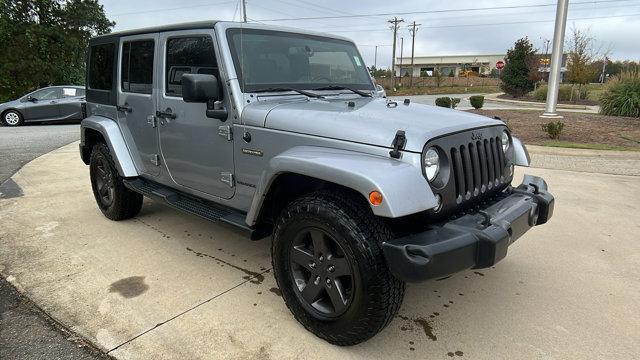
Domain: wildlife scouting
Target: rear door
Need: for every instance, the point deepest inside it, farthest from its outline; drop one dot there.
(137, 100)
(196, 151)
(44, 105)
(70, 104)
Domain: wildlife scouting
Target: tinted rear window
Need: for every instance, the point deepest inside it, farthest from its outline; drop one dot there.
(101, 66)
(137, 66)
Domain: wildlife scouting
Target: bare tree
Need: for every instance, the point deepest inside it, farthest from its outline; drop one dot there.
(582, 53)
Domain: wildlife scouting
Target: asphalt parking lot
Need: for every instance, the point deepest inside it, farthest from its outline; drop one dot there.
(167, 285)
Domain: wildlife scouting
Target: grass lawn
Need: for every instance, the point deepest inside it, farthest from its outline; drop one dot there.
(444, 90)
(587, 131)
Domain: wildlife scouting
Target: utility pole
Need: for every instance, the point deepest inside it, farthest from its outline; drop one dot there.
(375, 59)
(556, 60)
(413, 31)
(395, 23)
(401, 52)
(244, 10)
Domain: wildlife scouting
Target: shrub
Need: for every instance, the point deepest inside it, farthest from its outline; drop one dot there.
(553, 129)
(564, 93)
(454, 102)
(622, 96)
(443, 101)
(477, 101)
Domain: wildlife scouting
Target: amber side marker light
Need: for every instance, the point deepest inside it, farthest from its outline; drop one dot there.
(375, 198)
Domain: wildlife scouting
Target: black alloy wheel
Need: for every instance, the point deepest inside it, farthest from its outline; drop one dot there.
(321, 273)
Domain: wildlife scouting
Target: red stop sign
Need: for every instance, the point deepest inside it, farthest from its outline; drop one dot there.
(499, 64)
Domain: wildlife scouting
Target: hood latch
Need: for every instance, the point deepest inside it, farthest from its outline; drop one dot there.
(399, 142)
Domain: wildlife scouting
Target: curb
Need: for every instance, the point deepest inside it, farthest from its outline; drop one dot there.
(494, 97)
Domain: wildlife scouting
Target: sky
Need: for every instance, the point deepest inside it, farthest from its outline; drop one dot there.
(463, 27)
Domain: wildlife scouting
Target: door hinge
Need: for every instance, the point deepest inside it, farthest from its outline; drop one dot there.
(155, 159)
(226, 132)
(227, 178)
(152, 120)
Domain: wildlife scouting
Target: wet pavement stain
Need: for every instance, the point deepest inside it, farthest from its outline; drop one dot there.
(253, 277)
(164, 235)
(129, 287)
(457, 353)
(426, 326)
(276, 291)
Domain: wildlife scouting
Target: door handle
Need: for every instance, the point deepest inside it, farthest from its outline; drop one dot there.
(53, 102)
(124, 108)
(167, 114)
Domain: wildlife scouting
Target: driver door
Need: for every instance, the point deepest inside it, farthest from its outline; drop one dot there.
(196, 152)
(45, 104)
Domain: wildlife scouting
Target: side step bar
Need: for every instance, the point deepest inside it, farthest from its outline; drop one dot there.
(205, 210)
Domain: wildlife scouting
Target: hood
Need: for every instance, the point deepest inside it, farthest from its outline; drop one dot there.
(370, 121)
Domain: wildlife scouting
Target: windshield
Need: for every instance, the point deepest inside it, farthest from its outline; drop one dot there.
(274, 59)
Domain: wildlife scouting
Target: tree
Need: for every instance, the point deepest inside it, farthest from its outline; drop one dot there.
(516, 79)
(580, 67)
(437, 76)
(44, 42)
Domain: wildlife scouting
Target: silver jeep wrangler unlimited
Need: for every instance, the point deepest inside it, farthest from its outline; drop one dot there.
(282, 133)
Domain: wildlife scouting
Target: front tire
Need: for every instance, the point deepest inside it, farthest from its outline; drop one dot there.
(114, 200)
(12, 118)
(329, 265)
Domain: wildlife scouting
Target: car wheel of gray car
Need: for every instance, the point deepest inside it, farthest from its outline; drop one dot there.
(113, 198)
(329, 265)
(12, 118)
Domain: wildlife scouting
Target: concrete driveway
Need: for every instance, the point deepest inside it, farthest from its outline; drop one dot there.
(166, 285)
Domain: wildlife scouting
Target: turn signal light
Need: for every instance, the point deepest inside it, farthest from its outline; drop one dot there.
(375, 198)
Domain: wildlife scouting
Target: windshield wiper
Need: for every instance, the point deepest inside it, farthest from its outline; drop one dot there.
(336, 87)
(281, 89)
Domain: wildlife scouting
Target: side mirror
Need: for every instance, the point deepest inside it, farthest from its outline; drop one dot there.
(200, 88)
(31, 99)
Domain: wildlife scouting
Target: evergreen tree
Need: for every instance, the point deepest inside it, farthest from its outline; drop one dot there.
(518, 65)
(44, 42)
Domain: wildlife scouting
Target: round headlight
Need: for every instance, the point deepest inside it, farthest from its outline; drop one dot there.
(431, 163)
(505, 141)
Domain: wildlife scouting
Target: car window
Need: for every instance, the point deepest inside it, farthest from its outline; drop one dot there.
(81, 92)
(188, 55)
(46, 94)
(137, 67)
(101, 66)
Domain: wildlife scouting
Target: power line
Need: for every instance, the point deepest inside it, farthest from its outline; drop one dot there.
(439, 11)
(171, 9)
(494, 24)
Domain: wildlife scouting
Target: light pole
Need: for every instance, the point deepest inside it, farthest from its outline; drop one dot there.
(556, 60)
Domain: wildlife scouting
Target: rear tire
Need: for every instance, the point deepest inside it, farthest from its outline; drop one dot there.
(114, 200)
(328, 263)
(12, 118)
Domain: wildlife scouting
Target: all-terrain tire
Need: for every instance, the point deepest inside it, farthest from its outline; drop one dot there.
(122, 203)
(377, 294)
(12, 118)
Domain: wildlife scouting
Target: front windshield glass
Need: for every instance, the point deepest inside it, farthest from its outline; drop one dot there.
(273, 59)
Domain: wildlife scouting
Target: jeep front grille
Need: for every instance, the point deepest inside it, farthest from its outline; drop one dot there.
(477, 167)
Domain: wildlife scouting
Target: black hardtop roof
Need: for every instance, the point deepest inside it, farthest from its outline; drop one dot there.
(208, 24)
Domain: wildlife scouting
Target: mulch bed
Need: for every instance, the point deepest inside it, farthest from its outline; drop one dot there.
(532, 99)
(579, 127)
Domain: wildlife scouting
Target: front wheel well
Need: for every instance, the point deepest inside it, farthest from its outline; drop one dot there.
(288, 187)
(7, 110)
(90, 139)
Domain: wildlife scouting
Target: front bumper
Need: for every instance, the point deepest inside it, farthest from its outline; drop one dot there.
(476, 240)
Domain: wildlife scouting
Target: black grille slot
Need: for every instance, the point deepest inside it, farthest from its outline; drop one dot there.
(477, 167)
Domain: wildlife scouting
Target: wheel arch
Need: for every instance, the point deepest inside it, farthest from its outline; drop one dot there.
(306, 168)
(100, 129)
(12, 109)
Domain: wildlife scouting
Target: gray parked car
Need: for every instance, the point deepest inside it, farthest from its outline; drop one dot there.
(282, 133)
(54, 103)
